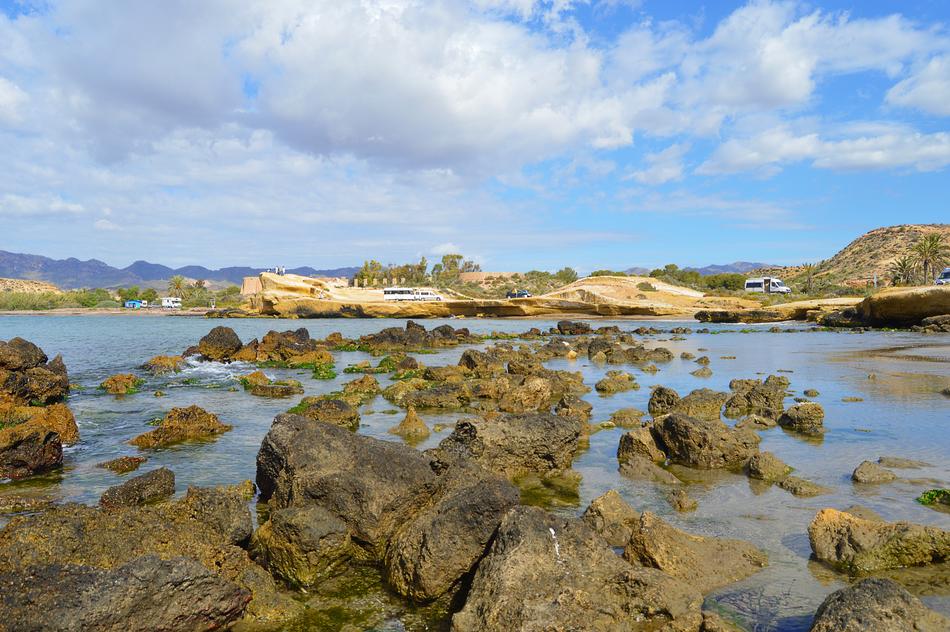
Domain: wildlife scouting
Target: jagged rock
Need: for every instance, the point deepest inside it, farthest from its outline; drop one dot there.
(543, 572)
(330, 411)
(148, 487)
(616, 382)
(854, 544)
(662, 401)
(643, 469)
(756, 422)
(182, 424)
(801, 487)
(27, 449)
(448, 535)
(290, 347)
(627, 417)
(805, 418)
(876, 605)
(533, 395)
(475, 360)
(121, 384)
(18, 354)
(572, 328)
(219, 344)
(702, 403)
(146, 593)
(444, 397)
(767, 467)
(705, 444)
(751, 396)
(303, 545)
(706, 563)
(362, 388)
(611, 517)
(681, 501)
(639, 442)
(411, 427)
(163, 364)
(573, 407)
(871, 473)
(512, 445)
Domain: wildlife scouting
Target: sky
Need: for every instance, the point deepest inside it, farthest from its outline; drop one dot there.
(524, 134)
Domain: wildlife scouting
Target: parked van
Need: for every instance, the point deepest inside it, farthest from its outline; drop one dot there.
(409, 294)
(171, 302)
(944, 278)
(768, 285)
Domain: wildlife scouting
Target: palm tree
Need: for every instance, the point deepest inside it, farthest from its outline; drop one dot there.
(177, 285)
(903, 270)
(932, 253)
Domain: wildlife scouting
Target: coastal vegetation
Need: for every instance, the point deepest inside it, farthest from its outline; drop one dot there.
(193, 296)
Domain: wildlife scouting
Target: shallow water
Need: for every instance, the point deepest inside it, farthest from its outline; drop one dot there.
(898, 375)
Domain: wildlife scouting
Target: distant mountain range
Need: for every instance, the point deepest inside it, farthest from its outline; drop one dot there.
(738, 267)
(72, 273)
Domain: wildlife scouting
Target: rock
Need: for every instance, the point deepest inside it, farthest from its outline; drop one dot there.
(411, 427)
(362, 389)
(901, 463)
(903, 307)
(303, 545)
(291, 347)
(18, 504)
(122, 384)
(18, 354)
(182, 424)
(109, 539)
(643, 469)
(616, 382)
(142, 489)
(369, 484)
(309, 359)
(330, 411)
(220, 344)
(662, 401)
(444, 397)
(639, 442)
(27, 449)
(543, 572)
(801, 487)
(27, 379)
(475, 360)
(534, 395)
(257, 378)
(766, 466)
(864, 513)
(573, 407)
(810, 392)
(148, 592)
(572, 328)
(876, 605)
(445, 539)
(871, 473)
(627, 417)
(805, 418)
(163, 364)
(681, 501)
(611, 517)
(702, 360)
(512, 445)
(857, 545)
(701, 403)
(706, 563)
(277, 389)
(704, 444)
(56, 417)
(704, 371)
(756, 397)
(756, 422)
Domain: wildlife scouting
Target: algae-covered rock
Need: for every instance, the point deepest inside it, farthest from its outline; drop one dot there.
(220, 344)
(151, 486)
(767, 467)
(411, 428)
(123, 464)
(182, 424)
(122, 384)
(331, 411)
(163, 364)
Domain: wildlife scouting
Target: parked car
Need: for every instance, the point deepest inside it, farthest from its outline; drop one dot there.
(944, 278)
(768, 285)
(518, 294)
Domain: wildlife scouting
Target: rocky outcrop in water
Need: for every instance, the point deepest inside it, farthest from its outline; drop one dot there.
(611, 517)
(149, 487)
(804, 418)
(751, 396)
(219, 345)
(121, 384)
(182, 424)
(876, 605)
(704, 444)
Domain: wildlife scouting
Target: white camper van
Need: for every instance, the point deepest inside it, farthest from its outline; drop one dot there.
(171, 302)
(409, 294)
(768, 285)
(944, 278)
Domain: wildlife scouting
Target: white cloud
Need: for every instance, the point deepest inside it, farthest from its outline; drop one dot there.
(664, 166)
(104, 224)
(928, 89)
(31, 205)
(448, 248)
(12, 98)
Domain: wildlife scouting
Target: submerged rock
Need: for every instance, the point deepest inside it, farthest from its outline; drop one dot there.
(871, 473)
(543, 572)
(705, 444)
(801, 487)
(182, 424)
(681, 501)
(876, 605)
(767, 467)
(706, 563)
(123, 464)
(616, 382)
(857, 545)
(148, 487)
(898, 462)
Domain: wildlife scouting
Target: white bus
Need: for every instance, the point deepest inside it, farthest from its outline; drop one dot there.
(768, 285)
(409, 294)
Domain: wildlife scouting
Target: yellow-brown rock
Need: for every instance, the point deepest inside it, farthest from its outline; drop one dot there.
(182, 424)
(905, 306)
(411, 428)
(162, 364)
(121, 384)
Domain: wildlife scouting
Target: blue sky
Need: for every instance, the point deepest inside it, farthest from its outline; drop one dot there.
(524, 134)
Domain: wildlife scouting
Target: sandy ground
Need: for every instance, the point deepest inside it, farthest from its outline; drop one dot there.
(106, 311)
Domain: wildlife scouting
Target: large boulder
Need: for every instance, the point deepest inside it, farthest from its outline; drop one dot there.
(662, 400)
(544, 572)
(513, 445)
(27, 379)
(220, 344)
(206, 526)
(870, 473)
(876, 605)
(702, 403)
(703, 443)
(18, 354)
(27, 449)
(805, 418)
(330, 411)
(757, 397)
(182, 424)
(639, 442)
(148, 487)
(148, 592)
(902, 307)
(706, 563)
(854, 544)
(611, 517)
(446, 537)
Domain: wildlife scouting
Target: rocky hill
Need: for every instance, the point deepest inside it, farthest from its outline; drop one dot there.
(858, 262)
(73, 273)
(28, 287)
